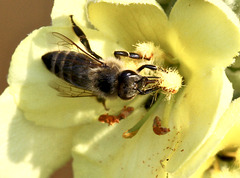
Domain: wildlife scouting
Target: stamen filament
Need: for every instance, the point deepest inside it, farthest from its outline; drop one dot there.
(133, 131)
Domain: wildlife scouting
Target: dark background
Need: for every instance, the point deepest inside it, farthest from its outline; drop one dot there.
(18, 18)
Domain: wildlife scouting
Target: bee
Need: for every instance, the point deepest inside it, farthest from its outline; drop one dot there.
(86, 70)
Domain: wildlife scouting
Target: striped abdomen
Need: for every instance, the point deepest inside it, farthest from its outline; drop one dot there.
(71, 66)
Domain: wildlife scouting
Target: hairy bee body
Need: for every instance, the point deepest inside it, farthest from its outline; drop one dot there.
(86, 70)
(82, 72)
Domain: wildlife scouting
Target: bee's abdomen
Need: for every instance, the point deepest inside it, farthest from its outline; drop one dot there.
(61, 63)
(69, 65)
(54, 61)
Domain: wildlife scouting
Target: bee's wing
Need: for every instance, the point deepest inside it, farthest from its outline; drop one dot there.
(68, 43)
(66, 89)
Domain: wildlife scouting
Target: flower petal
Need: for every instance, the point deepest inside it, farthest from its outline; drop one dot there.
(232, 125)
(130, 22)
(62, 9)
(104, 151)
(100, 151)
(205, 33)
(196, 115)
(28, 150)
(226, 135)
(29, 81)
(192, 115)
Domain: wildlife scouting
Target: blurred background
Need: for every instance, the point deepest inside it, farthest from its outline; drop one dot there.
(17, 20)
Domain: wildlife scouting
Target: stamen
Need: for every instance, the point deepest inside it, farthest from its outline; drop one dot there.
(167, 79)
(170, 81)
(157, 127)
(133, 131)
(111, 119)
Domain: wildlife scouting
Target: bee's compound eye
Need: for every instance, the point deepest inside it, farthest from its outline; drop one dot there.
(128, 84)
(124, 92)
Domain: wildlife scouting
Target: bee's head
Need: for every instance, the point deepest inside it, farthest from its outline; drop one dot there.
(130, 84)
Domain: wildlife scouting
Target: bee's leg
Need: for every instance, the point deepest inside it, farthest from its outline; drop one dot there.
(132, 55)
(149, 66)
(103, 101)
(83, 38)
(118, 54)
(145, 92)
(151, 100)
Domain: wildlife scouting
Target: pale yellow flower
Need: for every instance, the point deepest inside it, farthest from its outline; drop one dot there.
(202, 36)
